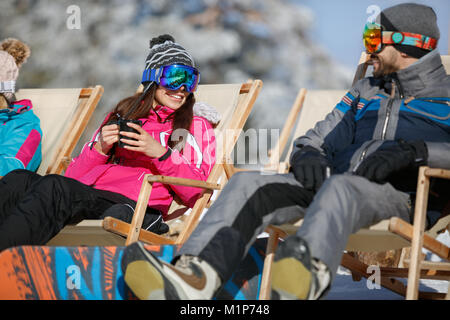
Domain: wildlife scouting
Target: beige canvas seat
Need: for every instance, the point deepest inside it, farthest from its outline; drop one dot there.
(234, 102)
(386, 235)
(64, 115)
(308, 108)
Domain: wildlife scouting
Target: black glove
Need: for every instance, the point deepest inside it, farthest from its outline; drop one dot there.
(309, 167)
(384, 162)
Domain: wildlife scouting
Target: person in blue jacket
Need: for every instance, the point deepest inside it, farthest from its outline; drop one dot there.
(356, 167)
(20, 131)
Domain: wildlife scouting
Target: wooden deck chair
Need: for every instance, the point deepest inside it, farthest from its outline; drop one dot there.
(386, 235)
(64, 114)
(234, 102)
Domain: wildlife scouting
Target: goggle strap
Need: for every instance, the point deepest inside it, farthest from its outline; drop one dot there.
(145, 76)
(151, 75)
(409, 39)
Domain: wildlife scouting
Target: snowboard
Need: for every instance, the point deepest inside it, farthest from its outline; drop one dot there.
(95, 273)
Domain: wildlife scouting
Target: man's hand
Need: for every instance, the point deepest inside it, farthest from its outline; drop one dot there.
(310, 168)
(384, 162)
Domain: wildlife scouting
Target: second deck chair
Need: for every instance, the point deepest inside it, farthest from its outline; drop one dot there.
(234, 102)
(386, 235)
(64, 114)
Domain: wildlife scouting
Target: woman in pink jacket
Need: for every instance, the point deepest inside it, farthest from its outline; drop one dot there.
(159, 131)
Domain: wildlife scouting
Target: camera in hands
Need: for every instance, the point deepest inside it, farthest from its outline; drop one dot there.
(123, 126)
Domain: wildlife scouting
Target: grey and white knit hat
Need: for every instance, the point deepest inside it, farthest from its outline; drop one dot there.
(410, 17)
(165, 51)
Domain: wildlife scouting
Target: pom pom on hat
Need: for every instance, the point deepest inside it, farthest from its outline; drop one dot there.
(165, 51)
(161, 39)
(16, 48)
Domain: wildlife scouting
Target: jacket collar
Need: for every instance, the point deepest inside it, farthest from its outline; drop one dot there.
(162, 113)
(18, 107)
(426, 74)
(201, 109)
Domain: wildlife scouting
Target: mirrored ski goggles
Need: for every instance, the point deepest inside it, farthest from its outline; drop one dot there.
(173, 77)
(375, 38)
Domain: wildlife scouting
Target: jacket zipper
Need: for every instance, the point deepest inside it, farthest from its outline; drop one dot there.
(362, 156)
(395, 85)
(386, 121)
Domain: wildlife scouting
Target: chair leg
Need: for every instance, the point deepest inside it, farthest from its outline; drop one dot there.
(406, 254)
(423, 184)
(266, 277)
(123, 229)
(139, 212)
(193, 218)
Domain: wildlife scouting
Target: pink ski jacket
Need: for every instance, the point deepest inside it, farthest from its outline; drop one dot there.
(125, 176)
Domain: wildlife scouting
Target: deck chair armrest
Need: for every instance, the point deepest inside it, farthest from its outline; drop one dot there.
(437, 173)
(230, 170)
(144, 195)
(182, 181)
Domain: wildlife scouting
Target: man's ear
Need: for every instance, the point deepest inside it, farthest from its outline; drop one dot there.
(405, 60)
(404, 55)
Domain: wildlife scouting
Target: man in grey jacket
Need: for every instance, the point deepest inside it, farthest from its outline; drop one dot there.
(356, 167)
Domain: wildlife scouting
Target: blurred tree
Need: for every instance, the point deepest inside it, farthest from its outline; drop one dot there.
(231, 41)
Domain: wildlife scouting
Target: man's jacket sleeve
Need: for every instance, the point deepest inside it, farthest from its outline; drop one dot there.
(438, 154)
(336, 131)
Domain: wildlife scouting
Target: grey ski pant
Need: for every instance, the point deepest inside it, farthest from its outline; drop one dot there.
(251, 200)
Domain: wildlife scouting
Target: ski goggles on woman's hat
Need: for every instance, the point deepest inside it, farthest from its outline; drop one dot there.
(173, 77)
(375, 38)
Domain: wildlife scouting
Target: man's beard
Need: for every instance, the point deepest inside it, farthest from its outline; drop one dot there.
(384, 67)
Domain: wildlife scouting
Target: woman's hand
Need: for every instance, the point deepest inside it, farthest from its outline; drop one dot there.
(144, 143)
(108, 136)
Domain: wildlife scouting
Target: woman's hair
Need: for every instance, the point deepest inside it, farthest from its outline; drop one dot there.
(182, 117)
(4, 103)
